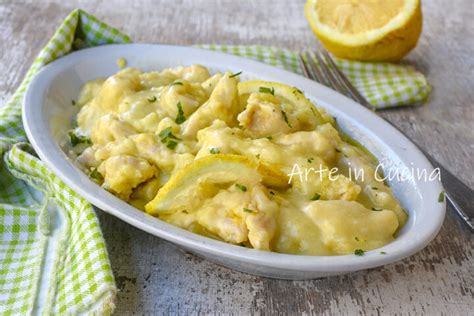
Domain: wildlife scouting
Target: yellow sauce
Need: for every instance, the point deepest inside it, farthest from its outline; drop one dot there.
(147, 126)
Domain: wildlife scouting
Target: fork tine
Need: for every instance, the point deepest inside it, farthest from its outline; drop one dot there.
(304, 67)
(346, 83)
(315, 69)
(334, 82)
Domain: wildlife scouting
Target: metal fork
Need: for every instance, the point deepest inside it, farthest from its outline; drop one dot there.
(319, 66)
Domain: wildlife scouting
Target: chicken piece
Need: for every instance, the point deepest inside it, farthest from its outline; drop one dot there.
(116, 88)
(124, 146)
(264, 116)
(210, 84)
(223, 104)
(87, 158)
(346, 226)
(124, 173)
(185, 97)
(262, 224)
(239, 216)
(194, 74)
(313, 143)
(144, 193)
(108, 129)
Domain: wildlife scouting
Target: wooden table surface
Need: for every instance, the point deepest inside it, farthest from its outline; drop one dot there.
(154, 277)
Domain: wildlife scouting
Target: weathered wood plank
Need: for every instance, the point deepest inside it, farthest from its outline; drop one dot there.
(154, 276)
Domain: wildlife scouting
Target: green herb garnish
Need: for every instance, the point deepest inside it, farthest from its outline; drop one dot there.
(96, 176)
(374, 188)
(357, 238)
(180, 117)
(315, 197)
(248, 210)
(176, 83)
(78, 139)
(285, 117)
(236, 74)
(267, 90)
(272, 193)
(73, 102)
(258, 156)
(337, 150)
(376, 209)
(297, 90)
(310, 160)
(383, 253)
(241, 187)
(269, 137)
(441, 197)
(168, 138)
(166, 134)
(185, 211)
(359, 252)
(152, 99)
(215, 151)
(171, 144)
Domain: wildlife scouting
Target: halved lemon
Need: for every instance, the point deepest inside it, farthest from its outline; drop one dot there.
(367, 30)
(189, 186)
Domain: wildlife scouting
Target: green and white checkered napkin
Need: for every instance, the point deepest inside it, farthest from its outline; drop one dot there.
(52, 254)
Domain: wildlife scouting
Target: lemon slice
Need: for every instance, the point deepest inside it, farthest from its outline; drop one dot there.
(368, 30)
(286, 93)
(188, 187)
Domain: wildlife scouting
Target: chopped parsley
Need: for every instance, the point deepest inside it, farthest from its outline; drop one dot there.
(272, 193)
(96, 176)
(441, 197)
(267, 90)
(359, 252)
(215, 151)
(315, 197)
(152, 99)
(285, 117)
(180, 117)
(236, 74)
(310, 160)
(298, 91)
(168, 138)
(357, 238)
(383, 253)
(241, 187)
(73, 102)
(166, 134)
(185, 211)
(376, 209)
(337, 150)
(269, 137)
(248, 210)
(258, 156)
(375, 188)
(171, 144)
(176, 83)
(78, 139)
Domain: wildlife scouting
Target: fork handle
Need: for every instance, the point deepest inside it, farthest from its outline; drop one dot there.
(459, 195)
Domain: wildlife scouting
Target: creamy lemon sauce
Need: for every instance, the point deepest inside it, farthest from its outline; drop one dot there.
(222, 152)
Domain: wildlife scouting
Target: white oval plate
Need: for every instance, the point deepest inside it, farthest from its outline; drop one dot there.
(48, 113)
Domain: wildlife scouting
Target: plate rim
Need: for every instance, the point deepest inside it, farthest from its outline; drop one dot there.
(111, 204)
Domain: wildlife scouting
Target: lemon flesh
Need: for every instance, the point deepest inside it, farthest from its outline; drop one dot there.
(190, 184)
(367, 30)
